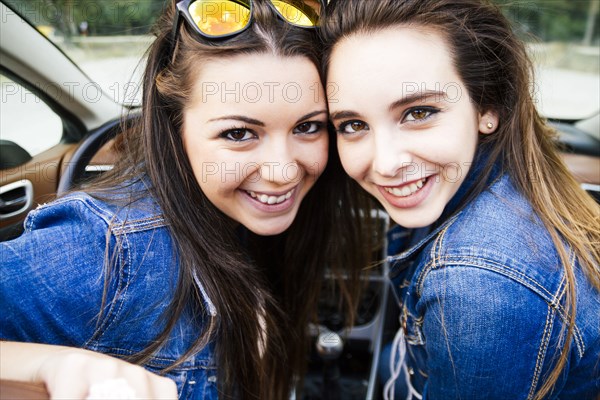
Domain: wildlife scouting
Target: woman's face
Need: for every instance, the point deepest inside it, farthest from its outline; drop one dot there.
(256, 136)
(407, 130)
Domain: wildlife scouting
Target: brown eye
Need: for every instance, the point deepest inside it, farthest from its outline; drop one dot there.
(419, 114)
(237, 135)
(357, 126)
(308, 128)
(303, 128)
(352, 127)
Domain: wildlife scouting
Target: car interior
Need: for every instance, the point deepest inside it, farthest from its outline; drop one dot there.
(83, 121)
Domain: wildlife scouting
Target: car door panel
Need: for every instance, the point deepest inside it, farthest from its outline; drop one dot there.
(43, 173)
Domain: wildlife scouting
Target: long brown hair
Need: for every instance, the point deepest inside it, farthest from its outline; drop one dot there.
(281, 275)
(494, 66)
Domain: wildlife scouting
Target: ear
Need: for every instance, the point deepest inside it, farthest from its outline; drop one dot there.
(488, 122)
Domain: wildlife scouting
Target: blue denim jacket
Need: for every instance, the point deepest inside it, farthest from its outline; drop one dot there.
(481, 305)
(52, 283)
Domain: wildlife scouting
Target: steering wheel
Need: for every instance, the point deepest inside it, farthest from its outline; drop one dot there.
(74, 170)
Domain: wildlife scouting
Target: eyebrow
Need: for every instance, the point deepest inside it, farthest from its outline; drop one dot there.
(343, 115)
(238, 118)
(311, 114)
(260, 123)
(418, 96)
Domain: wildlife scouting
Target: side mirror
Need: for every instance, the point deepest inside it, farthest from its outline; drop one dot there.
(12, 155)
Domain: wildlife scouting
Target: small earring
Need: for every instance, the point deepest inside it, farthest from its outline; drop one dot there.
(490, 125)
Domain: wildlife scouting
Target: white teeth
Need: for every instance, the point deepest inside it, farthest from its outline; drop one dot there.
(406, 190)
(266, 199)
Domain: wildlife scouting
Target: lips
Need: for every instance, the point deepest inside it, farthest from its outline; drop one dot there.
(270, 199)
(409, 194)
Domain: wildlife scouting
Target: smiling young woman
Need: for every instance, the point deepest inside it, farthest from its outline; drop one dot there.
(499, 281)
(410, 148)
(256, 157)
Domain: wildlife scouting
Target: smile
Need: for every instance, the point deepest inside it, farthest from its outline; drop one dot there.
(270, 199)
(406, 190)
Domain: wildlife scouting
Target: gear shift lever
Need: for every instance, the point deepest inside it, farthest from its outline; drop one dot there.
(329, 349)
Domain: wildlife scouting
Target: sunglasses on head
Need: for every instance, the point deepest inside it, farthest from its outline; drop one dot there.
(219, 19)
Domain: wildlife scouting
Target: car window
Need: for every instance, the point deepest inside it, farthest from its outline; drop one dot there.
(106, 39)
(25, 120)
(563, 38)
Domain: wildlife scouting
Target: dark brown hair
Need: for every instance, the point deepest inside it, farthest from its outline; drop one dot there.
(496, 70)
(278, 276)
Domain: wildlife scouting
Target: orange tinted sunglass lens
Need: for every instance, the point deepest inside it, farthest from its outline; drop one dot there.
(219, 17)
(299, 12)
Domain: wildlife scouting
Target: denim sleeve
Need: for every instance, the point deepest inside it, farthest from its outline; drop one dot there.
(486, 335)
(52, 277)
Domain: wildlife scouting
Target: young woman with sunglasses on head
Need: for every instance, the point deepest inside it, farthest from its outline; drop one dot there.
(200, 256)
(497, 269)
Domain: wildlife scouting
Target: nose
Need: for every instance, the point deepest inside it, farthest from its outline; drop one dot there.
(279, 163)
(390, 152)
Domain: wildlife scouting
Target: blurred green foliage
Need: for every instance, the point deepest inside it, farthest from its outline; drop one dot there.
(554, 20)
(545, 20)
(116, 17)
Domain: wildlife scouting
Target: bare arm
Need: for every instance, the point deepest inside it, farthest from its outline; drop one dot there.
(69, 372)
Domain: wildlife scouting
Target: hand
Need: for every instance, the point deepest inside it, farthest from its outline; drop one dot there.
(71, 373)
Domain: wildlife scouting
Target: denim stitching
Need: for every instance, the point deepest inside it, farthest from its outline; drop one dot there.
(139, 225)
(562, 287)
(85, 201)
(436, 250)
(108, 316)
(542, 351)
(116, 306)
(560, 291)
(507, 271)
(483, 262)
(414, 335)
(203, 363)
(439, 245)
(29, 221)
(436, 256)
(120, 226)
(576, 332)
(126, 277)
(579, 341)
(487, 263)
(117, 229)
(105, 213)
